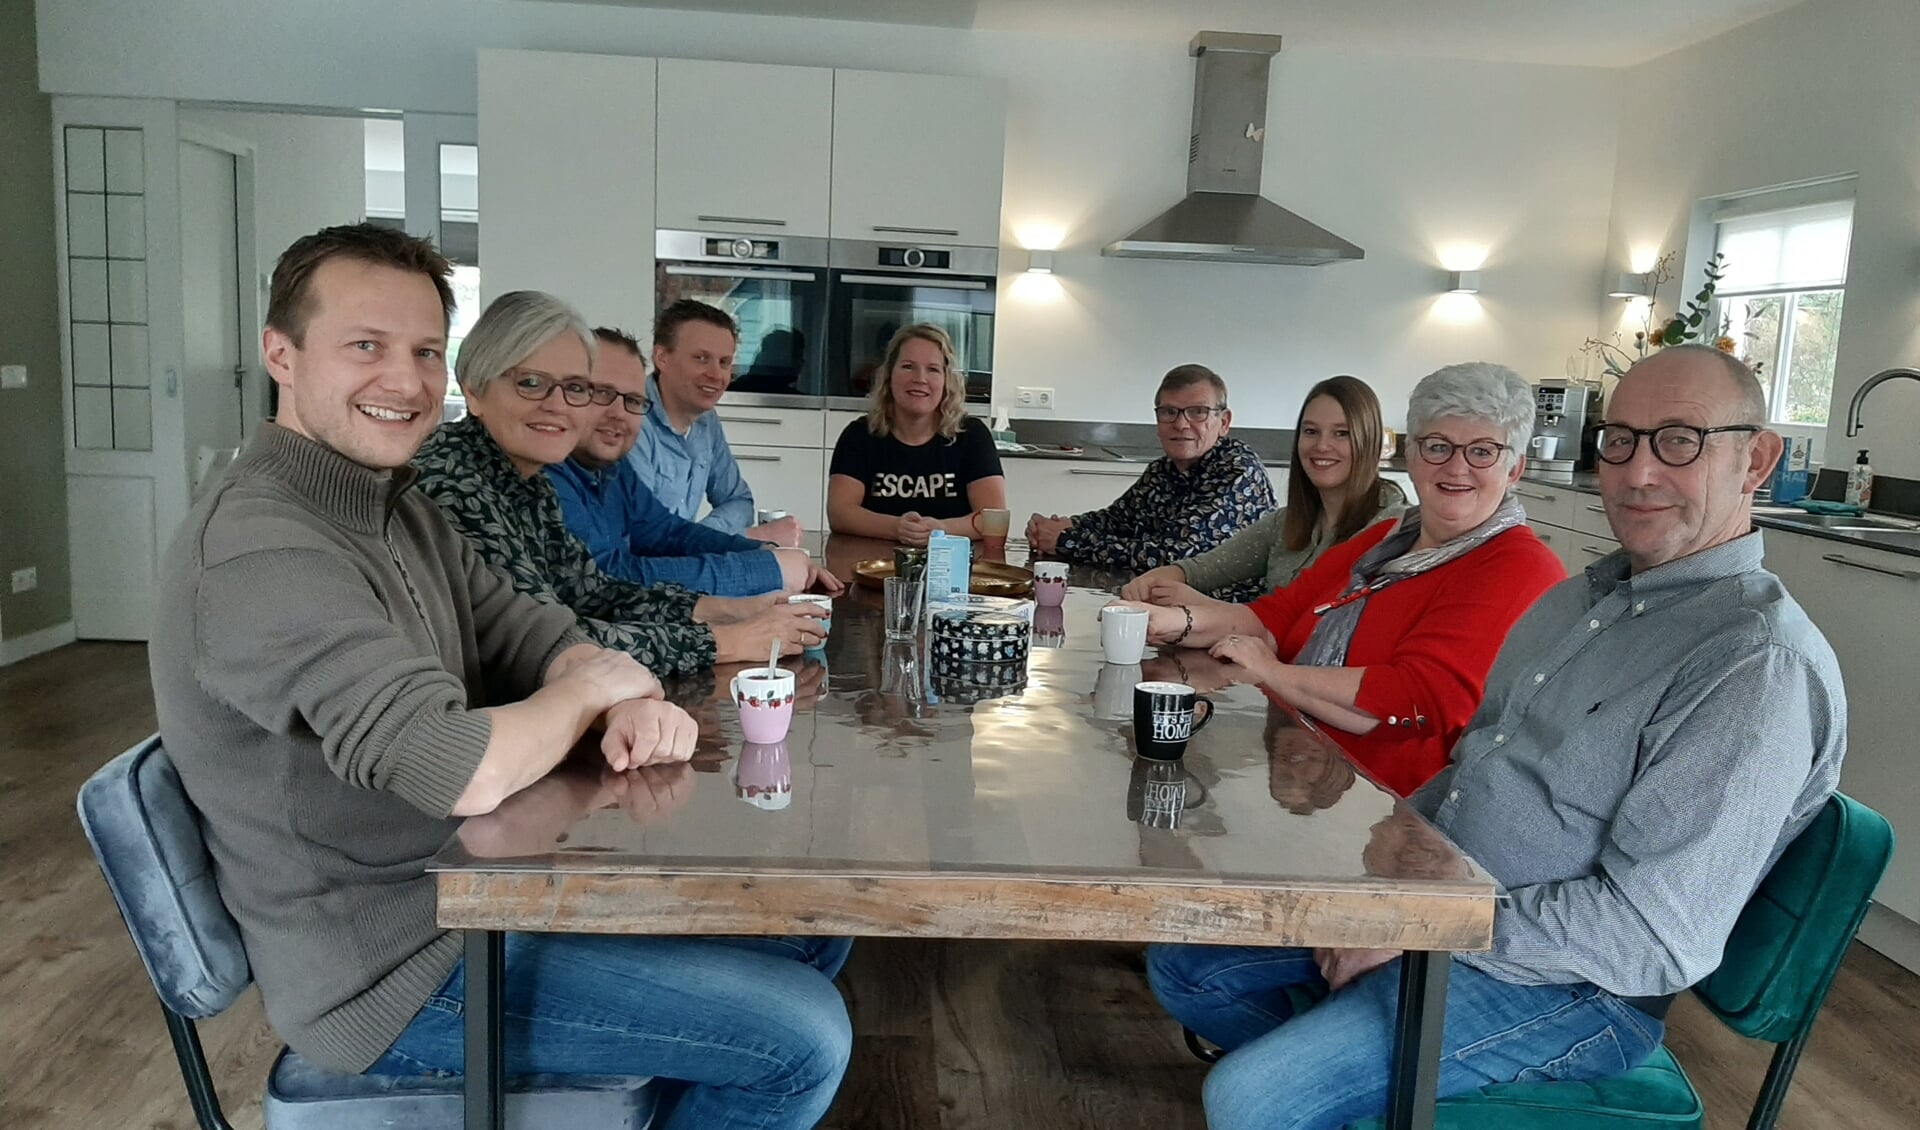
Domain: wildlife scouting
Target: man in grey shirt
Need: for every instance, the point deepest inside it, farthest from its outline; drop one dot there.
(1654, 733)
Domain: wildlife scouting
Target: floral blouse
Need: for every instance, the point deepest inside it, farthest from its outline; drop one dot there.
(516, 524)
(1170, 514)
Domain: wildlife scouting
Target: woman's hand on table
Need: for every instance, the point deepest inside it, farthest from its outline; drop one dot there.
(913, 529)
(1248, 659)
(1144, 587)
(1163, 623)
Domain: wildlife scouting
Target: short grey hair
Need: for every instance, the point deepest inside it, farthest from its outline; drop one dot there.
(513, 326)
(1475, 390)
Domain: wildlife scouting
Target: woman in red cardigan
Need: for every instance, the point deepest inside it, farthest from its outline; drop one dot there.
(1388, 637)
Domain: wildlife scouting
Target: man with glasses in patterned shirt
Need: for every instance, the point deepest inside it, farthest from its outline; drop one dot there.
(630, 533)
(1654, 734)
(1203, 491)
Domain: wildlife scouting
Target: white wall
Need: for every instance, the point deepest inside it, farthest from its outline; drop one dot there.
(1412, 159)
(307, 173)
(1826, 88)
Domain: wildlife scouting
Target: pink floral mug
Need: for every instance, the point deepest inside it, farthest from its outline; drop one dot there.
(765, 698)
(763, 775)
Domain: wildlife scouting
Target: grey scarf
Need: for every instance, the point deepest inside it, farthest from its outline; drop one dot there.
(1393, 560)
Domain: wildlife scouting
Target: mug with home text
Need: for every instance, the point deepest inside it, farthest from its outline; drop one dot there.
(1165, 716)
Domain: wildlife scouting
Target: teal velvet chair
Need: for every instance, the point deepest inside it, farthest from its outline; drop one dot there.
(1783, 955)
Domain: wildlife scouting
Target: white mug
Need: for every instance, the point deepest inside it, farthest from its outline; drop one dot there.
(1545, 447)
(1123, 633)
(825, 603)
(1113, 690)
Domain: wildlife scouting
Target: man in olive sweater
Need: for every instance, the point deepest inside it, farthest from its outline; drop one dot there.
(340, 678)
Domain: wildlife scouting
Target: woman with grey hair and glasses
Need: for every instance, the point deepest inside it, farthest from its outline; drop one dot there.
(527, 372)
(1388, 637)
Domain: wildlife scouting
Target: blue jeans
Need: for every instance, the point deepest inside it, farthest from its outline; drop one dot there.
(753, 1026)
(1292, 1062)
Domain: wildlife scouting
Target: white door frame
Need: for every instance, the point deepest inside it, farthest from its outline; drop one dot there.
(113, 599)
(254, 396)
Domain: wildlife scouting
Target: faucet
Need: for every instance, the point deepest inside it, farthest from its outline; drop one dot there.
(1860, 394)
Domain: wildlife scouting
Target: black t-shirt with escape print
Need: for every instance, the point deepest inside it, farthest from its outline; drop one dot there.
(930, 479)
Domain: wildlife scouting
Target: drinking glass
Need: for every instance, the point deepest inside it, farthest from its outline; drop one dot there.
(902, 606)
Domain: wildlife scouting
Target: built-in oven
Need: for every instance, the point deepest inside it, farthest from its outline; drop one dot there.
(775, 287)
(880, 287)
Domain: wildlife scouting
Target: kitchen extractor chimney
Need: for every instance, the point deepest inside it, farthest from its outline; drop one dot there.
(1223, 218)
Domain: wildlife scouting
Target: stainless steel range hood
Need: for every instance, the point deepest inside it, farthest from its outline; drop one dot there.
(1224, 219)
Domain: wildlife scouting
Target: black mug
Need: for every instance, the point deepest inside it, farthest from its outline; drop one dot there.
(1165, 715)
(1158, 792)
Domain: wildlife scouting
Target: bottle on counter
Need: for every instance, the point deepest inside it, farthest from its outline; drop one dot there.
(1860, 482)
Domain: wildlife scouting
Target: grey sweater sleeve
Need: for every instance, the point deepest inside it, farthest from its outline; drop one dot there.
(1242, 557)
(518, 635)
(332, 664)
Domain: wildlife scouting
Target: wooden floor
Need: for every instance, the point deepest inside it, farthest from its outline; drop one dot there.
(958, 1035)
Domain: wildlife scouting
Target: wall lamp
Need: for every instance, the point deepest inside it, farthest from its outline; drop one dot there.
(1628, 285)
(1463, 282)
(1040, 262)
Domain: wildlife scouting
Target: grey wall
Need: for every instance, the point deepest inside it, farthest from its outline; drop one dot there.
(33, 484)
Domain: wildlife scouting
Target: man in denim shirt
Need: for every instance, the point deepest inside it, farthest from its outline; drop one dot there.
(682, 455)
(629, 532)
(1655, 732)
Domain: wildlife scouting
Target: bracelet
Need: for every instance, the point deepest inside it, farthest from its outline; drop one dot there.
(1186, 631)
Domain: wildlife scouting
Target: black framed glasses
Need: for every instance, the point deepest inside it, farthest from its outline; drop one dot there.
(533, 385)
(1676, 445)
(633, 402)
(1479, 453)
(1195, 413)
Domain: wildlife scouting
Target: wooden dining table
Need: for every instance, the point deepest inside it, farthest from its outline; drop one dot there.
(907, 802)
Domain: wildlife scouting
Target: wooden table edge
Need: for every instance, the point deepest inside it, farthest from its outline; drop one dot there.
(1440, 916)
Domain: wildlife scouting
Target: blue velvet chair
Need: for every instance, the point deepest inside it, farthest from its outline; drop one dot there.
(146, 835)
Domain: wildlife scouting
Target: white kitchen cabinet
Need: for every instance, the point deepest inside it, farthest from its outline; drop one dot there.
(1278, 477)
(744, 147)
(1065, 487)
(770, 427)
(786, 478)
(1554, 506)
(566, 181)
(917, 158)
(1867, 604)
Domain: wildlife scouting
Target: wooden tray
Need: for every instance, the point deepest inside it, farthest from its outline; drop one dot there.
(988, 578)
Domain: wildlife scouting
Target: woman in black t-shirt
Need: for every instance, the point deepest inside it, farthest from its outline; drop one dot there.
(917, 463)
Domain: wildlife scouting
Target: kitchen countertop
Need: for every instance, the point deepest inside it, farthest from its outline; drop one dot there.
(1898, 535)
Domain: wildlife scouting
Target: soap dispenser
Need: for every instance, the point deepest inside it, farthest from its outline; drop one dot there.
(1860, 482)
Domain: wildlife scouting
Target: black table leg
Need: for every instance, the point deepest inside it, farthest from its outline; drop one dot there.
(486, 1042)
(1416, 1041)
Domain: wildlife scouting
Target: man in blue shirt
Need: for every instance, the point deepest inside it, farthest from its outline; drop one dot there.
(682, 455)
(631, 535)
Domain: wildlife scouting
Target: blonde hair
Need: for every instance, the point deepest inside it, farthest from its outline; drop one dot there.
(953, 400)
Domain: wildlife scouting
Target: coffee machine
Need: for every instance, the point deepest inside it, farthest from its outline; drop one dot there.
(1563, 411)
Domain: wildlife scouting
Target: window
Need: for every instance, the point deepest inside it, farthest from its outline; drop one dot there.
(1782, 297)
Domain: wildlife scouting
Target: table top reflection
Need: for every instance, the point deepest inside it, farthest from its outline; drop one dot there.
(892, 808)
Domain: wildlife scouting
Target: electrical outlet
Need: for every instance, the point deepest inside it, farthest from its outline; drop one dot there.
(26, 580)
(1034, 398)
(13, 376)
